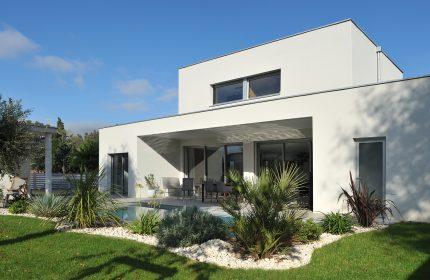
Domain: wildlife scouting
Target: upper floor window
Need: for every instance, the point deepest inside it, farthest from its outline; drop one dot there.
(228, 92)
(264, 84)
(247, 88)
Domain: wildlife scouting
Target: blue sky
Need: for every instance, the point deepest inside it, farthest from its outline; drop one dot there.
(95, 63)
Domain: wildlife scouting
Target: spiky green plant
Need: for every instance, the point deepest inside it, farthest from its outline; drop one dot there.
(89, 207)
(147, 223)
(365, 204)
(266, 215)
(337, 223)
(189, 226)
(49, 206)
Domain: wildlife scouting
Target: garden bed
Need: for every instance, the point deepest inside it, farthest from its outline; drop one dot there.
(221, 252)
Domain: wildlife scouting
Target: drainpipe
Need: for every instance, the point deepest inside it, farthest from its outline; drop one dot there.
(378, 63)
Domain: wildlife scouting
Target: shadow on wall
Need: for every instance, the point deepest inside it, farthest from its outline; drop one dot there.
(400, 111)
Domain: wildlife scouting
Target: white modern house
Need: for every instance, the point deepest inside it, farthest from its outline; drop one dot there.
(328, 99)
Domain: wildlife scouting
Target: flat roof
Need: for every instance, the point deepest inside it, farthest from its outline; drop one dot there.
(270, 100)
(293, 35)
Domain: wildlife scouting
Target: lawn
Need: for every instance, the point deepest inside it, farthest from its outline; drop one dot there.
(31, 249)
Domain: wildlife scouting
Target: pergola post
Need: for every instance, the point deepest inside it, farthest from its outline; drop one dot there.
(48, 163)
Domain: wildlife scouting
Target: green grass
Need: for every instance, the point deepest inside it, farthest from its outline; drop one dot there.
(30, 249)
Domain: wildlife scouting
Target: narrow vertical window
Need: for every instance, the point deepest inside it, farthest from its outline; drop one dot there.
(371, 164)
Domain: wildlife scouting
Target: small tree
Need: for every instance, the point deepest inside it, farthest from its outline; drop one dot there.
(86, 154)
(15, 136)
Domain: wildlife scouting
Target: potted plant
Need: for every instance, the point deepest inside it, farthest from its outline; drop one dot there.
(152, 185)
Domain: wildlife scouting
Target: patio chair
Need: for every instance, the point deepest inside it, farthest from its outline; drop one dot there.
(223, 189)
(210, 188)
(187, 187)
(172, 185)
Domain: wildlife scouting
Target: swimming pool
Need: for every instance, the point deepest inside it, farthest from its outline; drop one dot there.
(133, 212)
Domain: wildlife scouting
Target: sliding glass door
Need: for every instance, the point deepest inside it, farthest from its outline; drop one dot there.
(195, 163)
(212, 162)
(278, 154)
(119, 174)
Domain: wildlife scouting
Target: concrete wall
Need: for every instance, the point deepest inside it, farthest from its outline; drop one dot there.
(335, 56)
(396, 110)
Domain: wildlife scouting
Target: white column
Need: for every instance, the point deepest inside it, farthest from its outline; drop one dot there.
(48, 163)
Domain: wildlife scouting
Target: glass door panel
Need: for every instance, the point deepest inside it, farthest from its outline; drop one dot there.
(270, 155)
(234, 158)
(298, 153)
(371, 165)
(119, 174)
(215, 163)
(195, 163)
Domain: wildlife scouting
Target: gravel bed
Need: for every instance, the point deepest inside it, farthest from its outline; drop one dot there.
(220, 252)
(118, 232)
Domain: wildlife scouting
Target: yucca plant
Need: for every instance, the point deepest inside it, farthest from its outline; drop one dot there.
(265, 217)
(49, 206)
(365, 205)
(89, 207)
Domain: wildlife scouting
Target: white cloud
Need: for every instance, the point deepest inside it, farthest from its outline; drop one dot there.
(168, 94)
(135, 87)
(64, 66)
(129, 106)
(13, 43)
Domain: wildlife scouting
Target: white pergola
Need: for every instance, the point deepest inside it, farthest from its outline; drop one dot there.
(46, 132)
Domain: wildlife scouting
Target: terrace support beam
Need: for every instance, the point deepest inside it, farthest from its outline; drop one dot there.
(48, 163)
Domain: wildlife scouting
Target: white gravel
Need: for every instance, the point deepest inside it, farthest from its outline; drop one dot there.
(221, 253)
(118, 232)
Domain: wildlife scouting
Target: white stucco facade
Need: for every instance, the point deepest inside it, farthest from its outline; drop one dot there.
(335, 88)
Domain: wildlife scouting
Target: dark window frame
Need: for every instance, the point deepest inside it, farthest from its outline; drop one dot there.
(309, 143)
(245, 87)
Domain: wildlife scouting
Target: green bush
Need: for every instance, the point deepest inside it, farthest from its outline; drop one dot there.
(89, 207)
(308, 231)
(49, 206)
(147, 223)
(18, 206)
(269, 222)
(189, 226)
(337, 223)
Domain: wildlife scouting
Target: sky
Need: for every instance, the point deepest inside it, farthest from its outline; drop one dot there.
(97, 63)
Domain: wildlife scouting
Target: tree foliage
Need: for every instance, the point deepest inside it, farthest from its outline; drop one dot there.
(71, 153)
(15, 135)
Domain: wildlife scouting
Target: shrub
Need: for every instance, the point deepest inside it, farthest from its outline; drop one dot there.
(18, 206)
(89, 207)
(146, 224)
(308, 231)
(365, 204)
(50, 206)
(190, 226)
(337, 223)
(269, 221)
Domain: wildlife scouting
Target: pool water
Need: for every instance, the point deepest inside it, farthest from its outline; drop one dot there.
(133, 212)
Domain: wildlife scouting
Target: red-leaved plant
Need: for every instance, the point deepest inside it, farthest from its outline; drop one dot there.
(365, 204)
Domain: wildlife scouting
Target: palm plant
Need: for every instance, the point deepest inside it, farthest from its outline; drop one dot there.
(365, 204)
(89, 207)
(266, 216)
